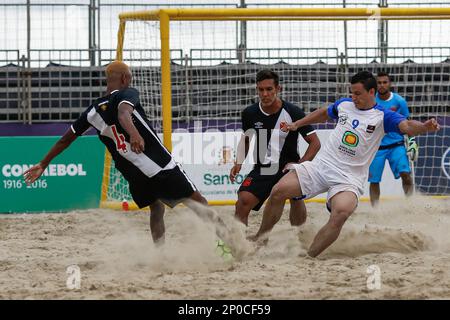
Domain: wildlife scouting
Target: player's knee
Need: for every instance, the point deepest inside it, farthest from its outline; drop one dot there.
(278, 193)
(244, 202)
(406, 178)
(339, 217)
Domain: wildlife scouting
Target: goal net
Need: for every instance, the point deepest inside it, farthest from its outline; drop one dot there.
(201, 79)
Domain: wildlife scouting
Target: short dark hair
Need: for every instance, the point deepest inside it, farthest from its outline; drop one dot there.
(366, 78)
(268, 74)
(384, 74)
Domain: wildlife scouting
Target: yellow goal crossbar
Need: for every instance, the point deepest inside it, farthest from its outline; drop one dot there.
(288, 14)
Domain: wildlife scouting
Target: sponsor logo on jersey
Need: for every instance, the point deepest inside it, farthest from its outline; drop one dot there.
(343, 118)
(394, 109)
(258, 125)
(370, 129)
(350, 139)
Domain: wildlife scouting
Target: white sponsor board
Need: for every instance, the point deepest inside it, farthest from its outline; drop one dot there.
(208, 158)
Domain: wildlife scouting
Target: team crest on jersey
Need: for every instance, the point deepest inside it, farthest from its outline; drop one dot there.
(394, 109)
(370, 129)
(103, 106)
(350, 139)
(247, 182)
(258, 125)
(343, 118)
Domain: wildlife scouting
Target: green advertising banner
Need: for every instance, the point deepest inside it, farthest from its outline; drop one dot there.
(71, 181)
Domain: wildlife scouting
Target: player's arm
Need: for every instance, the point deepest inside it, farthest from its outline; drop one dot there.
(313, 147)
(414, 128)
(125, 111)
(241, 155)
(243, 145)
(317, 116)
(37, 170)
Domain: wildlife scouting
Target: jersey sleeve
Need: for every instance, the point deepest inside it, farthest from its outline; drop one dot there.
(392, 120)
(245, 118)
(333, 109)
(82, 124)
(129, 96)
(403, 107)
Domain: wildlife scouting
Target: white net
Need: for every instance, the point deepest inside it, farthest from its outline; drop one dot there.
(213, 69)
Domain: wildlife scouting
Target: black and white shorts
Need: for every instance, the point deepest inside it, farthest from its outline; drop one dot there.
(260, 185)
(169, 186)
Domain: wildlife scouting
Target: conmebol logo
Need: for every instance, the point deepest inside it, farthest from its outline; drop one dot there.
(53, 170)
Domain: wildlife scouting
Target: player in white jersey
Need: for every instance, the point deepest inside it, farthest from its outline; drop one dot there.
(341, 166)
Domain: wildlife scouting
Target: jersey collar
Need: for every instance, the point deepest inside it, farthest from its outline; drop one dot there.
(391, 96)
(268, 114)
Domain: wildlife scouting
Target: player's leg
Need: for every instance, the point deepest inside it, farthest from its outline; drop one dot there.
(399, 162)
(197, 196)
(157, 227)
(288, 187)
(252, 193)
(375, 173)
(297, 212)
(174, 186)
(342, 206)
(144, 193)
(374, 194)
(407, 183)
(245, 203)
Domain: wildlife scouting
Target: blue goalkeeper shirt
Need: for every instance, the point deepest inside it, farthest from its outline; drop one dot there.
(397, 104)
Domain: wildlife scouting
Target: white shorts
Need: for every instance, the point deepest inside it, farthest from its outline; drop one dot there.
(316, 178)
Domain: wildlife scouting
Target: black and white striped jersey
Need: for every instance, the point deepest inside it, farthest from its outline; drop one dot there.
(103, 116)
(274, 146)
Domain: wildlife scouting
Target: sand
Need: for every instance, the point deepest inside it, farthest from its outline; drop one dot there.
(409, 241)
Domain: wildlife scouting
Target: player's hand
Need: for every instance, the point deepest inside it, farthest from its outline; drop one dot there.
(412, 149)
(32, 174)
(285, 127)
(234, 171)
(137, 143)
(432, 125)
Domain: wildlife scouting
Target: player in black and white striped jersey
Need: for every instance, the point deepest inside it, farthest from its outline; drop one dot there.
(121, 124)
(274, 149)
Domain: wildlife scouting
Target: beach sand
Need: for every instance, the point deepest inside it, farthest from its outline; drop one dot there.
(409, 241)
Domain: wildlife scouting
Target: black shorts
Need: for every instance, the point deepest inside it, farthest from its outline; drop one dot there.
(169, 186)
(260, 185)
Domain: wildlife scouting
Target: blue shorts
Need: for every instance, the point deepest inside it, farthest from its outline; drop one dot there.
(398, 160)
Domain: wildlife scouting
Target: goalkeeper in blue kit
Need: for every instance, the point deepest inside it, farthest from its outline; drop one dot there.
(392, 146)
